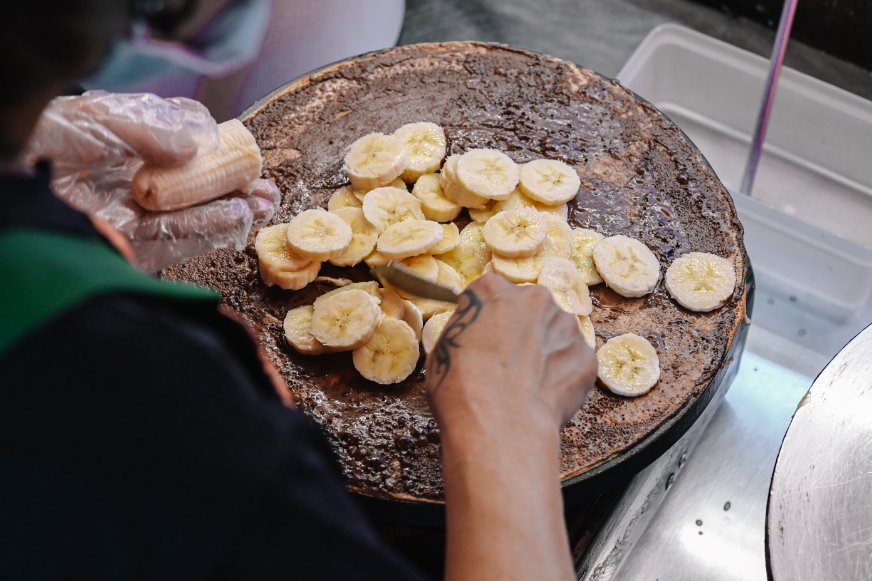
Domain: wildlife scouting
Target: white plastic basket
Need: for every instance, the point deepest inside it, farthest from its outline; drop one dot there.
(808, 228)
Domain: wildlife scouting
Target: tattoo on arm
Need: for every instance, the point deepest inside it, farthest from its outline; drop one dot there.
(468, 309)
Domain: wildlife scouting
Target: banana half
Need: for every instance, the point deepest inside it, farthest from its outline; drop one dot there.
(628, 365)
(626, 265)
(700, 281)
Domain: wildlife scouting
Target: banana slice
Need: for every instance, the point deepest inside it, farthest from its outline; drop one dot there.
(517, 199)
(433, 330)
(318, 234)
(430, 308)
(626, 265)
(586, 327)
(434, 204)
(370, 287)
(425, 145)
(628, 365)
(450, 239)
(518, 270)
(424, 266)
(391, 354)
(345, 320)
(363, 237)
(482, 215)
(549, 181)
(278, 263)
(584, 241)
(470, 255)
(414, 318)
(700, 281)
(558, 242)
(393, 305)
(292, 279)
(376, 258)
(454, 190)
(388, 205)
(449, 277)
(487, 173)
(397, 183)
(375, 160)
(515, 234)
(297, 327)
(560, 277)
(343, 198)
(409, 238)
(274, 253)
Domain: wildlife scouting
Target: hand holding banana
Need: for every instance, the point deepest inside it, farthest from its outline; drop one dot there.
(157, 170)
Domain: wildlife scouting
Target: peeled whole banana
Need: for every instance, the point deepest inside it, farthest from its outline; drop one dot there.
(233, 166)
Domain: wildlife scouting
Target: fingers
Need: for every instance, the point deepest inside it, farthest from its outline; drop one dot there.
(489, 285)
(164, 238)
(266, 189)
(263, 199)
(165, 132)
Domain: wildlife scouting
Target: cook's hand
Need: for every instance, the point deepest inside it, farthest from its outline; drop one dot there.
(508, 371)
(509, 355)
(97, 141)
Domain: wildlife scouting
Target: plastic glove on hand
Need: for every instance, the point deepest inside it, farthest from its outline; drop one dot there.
(98, 141)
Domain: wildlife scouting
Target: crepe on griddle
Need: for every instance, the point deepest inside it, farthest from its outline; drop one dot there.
(640, 176)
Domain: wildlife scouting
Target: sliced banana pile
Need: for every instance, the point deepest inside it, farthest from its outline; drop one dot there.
(518, 229)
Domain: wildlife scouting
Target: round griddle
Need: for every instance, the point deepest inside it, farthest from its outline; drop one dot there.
(819, 520)
(641, 176)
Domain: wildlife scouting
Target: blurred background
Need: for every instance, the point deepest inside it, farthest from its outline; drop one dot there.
(829, 37)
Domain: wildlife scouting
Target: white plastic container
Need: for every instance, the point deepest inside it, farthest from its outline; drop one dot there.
(809, 223)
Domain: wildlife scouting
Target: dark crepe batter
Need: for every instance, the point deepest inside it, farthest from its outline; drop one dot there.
(640, 176)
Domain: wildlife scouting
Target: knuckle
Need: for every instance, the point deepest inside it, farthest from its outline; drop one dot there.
(488, 283)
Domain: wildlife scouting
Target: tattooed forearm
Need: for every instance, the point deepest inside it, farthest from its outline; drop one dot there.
(468, 309)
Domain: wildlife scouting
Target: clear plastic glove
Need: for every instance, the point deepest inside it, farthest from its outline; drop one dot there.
(98, 141)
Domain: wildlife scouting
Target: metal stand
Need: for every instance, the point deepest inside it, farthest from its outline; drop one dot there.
(778, 52)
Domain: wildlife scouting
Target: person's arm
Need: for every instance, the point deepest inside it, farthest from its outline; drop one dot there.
(510, 369)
